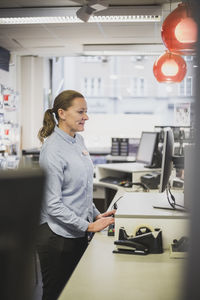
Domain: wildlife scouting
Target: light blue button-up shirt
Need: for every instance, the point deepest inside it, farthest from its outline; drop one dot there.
(68, 207)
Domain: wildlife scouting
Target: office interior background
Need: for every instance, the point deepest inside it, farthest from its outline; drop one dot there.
(116, 78)
(122, 94)
(111, 64)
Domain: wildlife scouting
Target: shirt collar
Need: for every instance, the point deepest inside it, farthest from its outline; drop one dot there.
(65, 135)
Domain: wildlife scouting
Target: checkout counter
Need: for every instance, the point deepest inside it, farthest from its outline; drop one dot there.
(102, 274)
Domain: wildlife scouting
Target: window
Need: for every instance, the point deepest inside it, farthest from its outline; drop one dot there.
(185, 88)
(92, 86)
(189, 86)
(138, 87)
(124, 85)
(188, 58)
(141, 87)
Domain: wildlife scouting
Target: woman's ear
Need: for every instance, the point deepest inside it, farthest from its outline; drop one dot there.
(61, 114)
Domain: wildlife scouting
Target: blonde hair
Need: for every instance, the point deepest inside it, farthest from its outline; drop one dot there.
(64, 100)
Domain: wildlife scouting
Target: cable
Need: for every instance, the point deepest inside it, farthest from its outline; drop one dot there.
(129, 184)
(172, 204)
(143, 185)
(173, 198)
(114, 206)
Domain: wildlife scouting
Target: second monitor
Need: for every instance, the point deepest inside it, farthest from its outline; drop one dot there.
(148, 151)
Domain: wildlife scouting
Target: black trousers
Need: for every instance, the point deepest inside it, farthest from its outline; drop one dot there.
(58, 258)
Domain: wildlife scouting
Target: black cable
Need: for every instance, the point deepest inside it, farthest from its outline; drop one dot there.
(170, 203)
(143, 185)
(173, 198)
(114, 206)
(174, 204)
(129, 184)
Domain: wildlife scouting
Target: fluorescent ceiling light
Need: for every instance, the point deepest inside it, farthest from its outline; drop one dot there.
(39, 20)
(68, 15)
(125, 49)
(90, 19)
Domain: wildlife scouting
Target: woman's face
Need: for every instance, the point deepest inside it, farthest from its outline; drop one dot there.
(73, 119)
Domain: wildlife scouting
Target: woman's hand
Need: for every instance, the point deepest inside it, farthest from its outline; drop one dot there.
(110, 213)
(100, 223)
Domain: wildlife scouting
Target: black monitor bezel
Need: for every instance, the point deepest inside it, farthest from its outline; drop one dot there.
(167, 159)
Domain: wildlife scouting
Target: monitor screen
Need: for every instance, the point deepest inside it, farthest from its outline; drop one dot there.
(167, 159)
(20, 203)
(147, 147)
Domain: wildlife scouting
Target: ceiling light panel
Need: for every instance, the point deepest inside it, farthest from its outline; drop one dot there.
(68, 15)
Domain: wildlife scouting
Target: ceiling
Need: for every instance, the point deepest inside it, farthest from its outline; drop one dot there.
(74, 39)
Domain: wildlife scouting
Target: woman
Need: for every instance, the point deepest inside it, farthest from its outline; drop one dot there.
(68, 213)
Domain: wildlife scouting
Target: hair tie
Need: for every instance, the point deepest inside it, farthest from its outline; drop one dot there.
(54, 115)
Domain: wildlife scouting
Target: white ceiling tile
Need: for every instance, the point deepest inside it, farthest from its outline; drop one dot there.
(66, 38)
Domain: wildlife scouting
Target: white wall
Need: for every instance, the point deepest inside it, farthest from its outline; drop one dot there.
(26, 77)
(32, 87)
(100, 128)
(9, 79)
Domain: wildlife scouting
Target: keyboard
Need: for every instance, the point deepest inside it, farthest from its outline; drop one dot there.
(112, 180)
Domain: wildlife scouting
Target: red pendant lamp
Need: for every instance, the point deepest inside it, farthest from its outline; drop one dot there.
(169, 67)
(179, 31)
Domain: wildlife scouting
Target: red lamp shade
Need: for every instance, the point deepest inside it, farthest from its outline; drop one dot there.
(179, 31)
(169, 67)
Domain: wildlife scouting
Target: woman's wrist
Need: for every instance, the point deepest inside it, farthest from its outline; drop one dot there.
(90, 227)
(98, 217)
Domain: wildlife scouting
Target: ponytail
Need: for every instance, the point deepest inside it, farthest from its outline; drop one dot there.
(49, 124)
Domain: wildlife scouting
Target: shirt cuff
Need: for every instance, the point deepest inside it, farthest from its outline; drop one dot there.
(85, 225)
(96, 212)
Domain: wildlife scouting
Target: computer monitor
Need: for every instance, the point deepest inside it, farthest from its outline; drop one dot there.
(148, 150)
(20, 204)
(167, 161)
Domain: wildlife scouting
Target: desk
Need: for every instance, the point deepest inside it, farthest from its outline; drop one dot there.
(102, 275)
(136, 209)
(132, 170)
(114, 158)
(103, 194)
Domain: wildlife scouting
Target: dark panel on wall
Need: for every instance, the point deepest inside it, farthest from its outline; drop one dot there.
(4, 59)
(192, 273)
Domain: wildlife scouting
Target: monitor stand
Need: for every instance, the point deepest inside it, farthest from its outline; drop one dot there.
(171, 204)
(170, 208)
(153, 166)
(149, 166)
